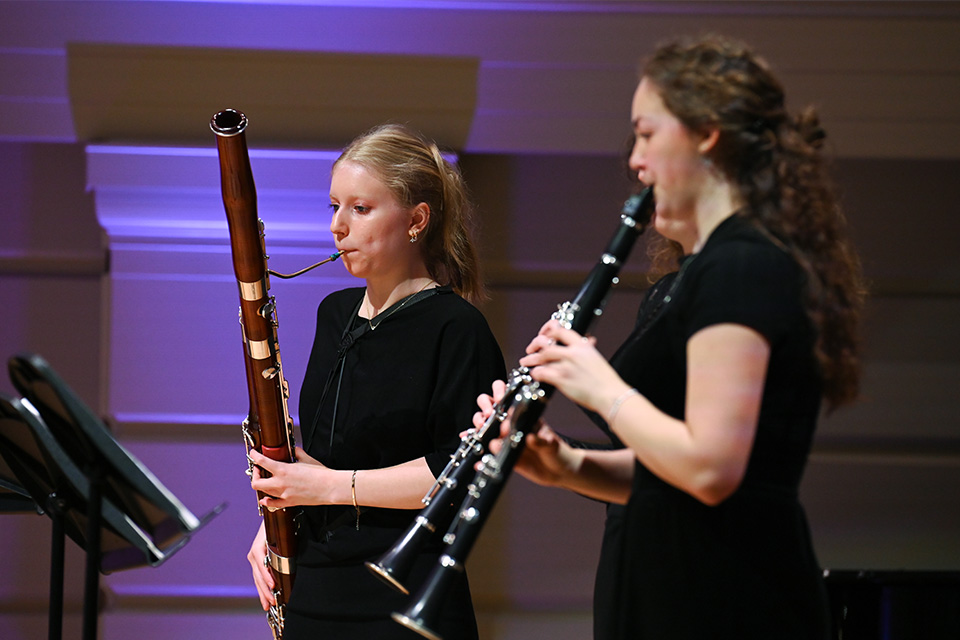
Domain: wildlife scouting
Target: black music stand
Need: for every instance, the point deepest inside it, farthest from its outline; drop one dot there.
(111, 504)
(14, 498)
(53, 481)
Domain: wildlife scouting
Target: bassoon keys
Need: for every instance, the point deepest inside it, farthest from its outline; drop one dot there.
(268, 428)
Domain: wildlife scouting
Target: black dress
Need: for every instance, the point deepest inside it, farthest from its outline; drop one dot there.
(406, 391)
(670, 566)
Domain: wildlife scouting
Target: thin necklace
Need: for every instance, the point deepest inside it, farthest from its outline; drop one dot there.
(383, 316)
(654, 313)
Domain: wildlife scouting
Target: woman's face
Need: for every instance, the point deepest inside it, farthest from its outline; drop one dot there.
(666, 157)
(369, 224)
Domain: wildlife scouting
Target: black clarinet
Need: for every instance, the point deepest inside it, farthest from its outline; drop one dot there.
(448, 491)
(525, 399)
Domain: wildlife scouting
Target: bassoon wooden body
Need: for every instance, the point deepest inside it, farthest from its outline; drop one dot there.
(268, 427)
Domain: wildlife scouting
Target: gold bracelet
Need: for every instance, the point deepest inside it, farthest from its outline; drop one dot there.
(615, 407)
(353, 491)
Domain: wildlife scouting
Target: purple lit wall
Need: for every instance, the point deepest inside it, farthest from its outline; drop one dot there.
(172, 290)
(115, 264)
(174, 339)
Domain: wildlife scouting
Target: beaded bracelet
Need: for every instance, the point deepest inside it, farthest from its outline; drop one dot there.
(615, 407)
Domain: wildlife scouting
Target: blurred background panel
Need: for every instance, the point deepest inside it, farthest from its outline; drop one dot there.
(115, 262)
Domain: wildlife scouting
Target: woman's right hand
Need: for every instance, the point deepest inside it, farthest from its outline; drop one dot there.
(546, 458)
(486, 403)
(262, 576)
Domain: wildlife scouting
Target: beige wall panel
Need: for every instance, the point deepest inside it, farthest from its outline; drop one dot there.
(307, 99)
(903, 219)
(903, 404)
(20, 624)
(913, 330)
(34, 74)
(917, 95)
(884, 512)
(33, 96)
(892, 50)
(36, 121)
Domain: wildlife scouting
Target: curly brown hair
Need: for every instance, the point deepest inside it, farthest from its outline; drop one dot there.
(774, 160)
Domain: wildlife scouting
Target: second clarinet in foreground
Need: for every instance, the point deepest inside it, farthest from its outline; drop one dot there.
(460, 508)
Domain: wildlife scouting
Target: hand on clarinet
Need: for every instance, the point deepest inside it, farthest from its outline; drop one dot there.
(546, 459)
(571, 363)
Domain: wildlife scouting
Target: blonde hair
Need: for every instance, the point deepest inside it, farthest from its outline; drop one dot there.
(415, 171)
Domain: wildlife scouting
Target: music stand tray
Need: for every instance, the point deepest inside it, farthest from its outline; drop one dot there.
(46, 472)
(126, 482)
(95, 491)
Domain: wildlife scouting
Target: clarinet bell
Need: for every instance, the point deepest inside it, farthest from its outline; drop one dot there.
(422, 616)
(394, 566)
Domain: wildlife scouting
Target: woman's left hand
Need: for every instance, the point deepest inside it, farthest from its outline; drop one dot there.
(571, 363)
(290, 483)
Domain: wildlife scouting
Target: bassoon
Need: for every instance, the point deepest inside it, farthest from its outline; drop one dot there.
(268, 428)
(523, 402)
